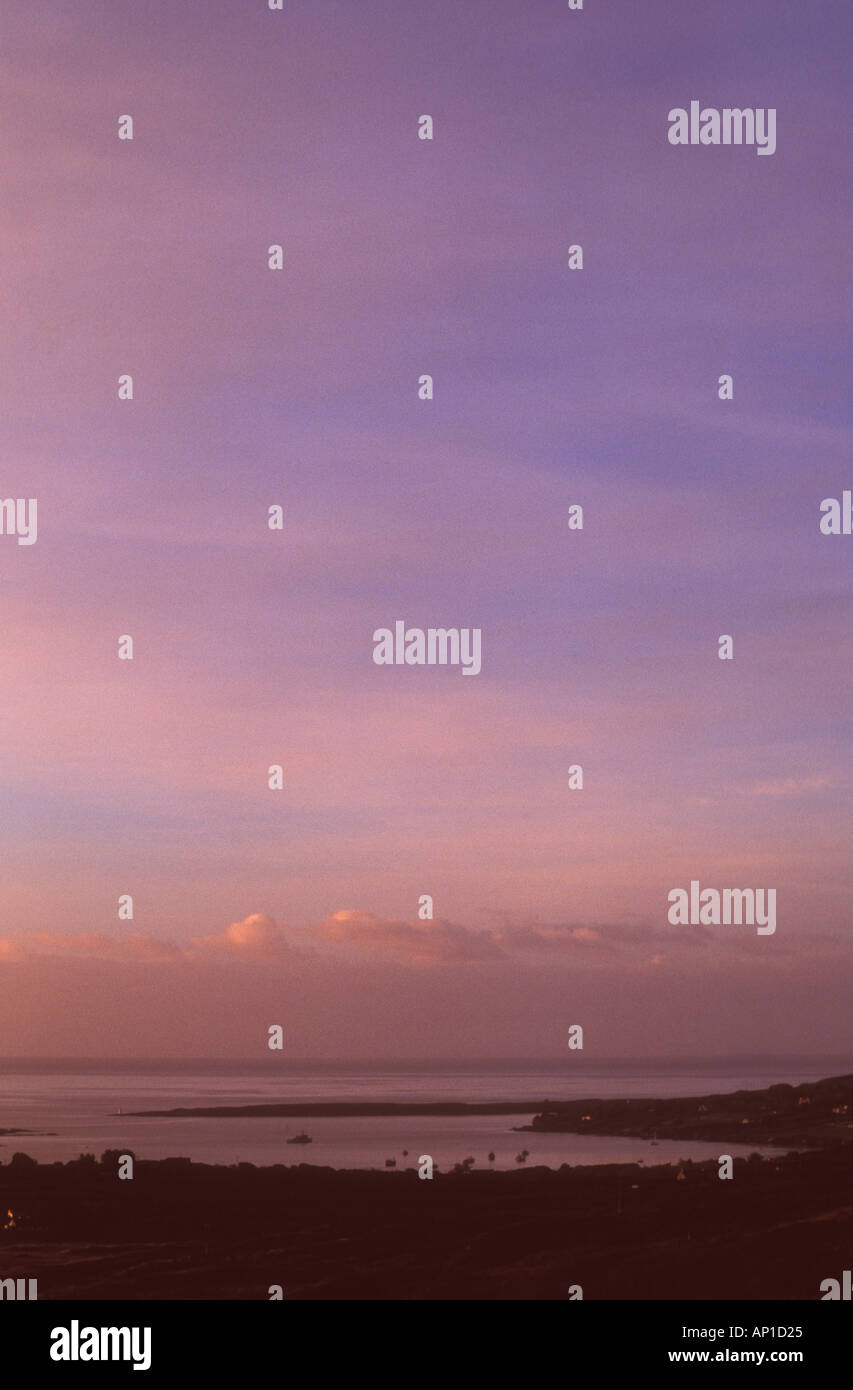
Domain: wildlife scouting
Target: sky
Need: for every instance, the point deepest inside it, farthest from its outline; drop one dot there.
(299, 388)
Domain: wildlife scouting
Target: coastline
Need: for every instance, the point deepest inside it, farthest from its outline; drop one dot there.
(185, 1230)
(811, 1115)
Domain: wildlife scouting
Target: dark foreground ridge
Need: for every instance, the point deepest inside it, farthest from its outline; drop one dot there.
(182, 1230)
(780, 1227)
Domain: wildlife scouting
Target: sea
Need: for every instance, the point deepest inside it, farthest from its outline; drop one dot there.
(72, 1107)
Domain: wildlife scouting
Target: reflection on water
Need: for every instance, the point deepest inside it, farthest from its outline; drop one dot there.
(82, 1110)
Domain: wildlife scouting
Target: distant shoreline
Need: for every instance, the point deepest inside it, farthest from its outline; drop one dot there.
(814, 1115)
(326, 1109)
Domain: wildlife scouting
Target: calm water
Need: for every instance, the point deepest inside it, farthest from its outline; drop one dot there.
(77, 1102)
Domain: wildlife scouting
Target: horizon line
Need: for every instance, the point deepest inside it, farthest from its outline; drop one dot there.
(574, 1060)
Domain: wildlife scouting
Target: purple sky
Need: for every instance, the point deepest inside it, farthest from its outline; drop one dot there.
(299, 388)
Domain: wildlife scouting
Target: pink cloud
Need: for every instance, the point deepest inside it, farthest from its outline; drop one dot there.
(789, 786)
(425, 943)
(257, 938)
(255, 935)
(95, 946)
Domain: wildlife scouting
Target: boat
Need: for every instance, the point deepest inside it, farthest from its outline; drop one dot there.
(301, 1139)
